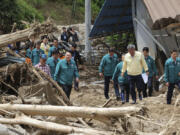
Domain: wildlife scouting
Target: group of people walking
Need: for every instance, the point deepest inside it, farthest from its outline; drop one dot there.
(62, 68)
(128, 74)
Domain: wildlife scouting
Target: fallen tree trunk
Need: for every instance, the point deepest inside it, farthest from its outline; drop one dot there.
(32, 100)
(22, 99)
(100, 114)
(65, 98)
(35, 30)
(49, 79)
(51, 126)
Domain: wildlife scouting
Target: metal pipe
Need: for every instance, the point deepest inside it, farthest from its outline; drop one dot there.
(88, 27)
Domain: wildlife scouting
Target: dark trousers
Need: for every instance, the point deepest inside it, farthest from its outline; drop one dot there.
(67, 89)
(125, 89)
(148, 86)
(106, 86)
(135, 81)
(170, 91)
(76, 84)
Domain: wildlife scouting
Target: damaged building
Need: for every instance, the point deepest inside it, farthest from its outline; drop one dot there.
(156, 24)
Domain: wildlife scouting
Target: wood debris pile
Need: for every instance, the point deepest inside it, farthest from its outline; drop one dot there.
(31, 103)
(35, 30)
(37, 105)
(172, 26)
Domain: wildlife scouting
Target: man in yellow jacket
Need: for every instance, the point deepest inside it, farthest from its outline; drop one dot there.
(134, 63)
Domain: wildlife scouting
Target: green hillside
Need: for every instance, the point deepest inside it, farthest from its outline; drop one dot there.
(62, 11)
(65, 11)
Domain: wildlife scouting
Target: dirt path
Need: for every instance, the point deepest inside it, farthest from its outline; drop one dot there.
(152, 123)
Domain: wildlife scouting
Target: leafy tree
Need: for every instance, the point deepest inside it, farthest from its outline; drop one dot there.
(121, 40)
(15, 11)
(37, 3)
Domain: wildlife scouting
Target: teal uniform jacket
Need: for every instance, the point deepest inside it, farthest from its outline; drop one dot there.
(52, 49)
(108, 64)
(29, 53)
(151, 66)
(117, 73)
(51, 62)
(36, 56)
(65, 72)
(172, 70)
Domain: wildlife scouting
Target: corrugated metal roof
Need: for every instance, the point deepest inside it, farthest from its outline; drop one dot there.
(115, 17)
(159, 9)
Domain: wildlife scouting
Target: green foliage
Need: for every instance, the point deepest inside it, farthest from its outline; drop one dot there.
(37, 3)
(120, 41)
(27, 12)
(95, 5)
(64, 11)
(15, 11)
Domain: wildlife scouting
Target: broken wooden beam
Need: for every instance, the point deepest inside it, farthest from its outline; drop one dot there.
(51, 126)
(22, 35)
(65, 98)
(100, 114)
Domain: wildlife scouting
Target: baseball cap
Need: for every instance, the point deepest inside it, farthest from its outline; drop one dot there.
(43, 56)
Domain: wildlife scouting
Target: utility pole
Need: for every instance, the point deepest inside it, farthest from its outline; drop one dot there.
(88, 28)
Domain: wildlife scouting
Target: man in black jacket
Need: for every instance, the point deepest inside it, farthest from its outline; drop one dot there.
(64, 35)
(77, 58)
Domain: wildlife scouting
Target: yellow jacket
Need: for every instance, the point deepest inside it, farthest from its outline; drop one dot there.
(134, 65)
(45, 48)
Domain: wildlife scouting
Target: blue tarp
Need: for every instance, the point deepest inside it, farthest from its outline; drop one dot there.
(10, 59)
(114, 17)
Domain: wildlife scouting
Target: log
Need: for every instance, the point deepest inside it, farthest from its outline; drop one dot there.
(9, 51)
(65, 98)
(4, 112)
(37, 74)
(9, 98)
(45, 84)
(100, 114)
(107, 102)
(22, 99)
(173, 29)
(162, 23)
(32, 90)
(32, 100)
(35, 30)
(52, 126)
(104, 105)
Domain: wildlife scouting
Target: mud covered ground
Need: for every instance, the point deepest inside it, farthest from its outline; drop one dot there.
(158, 117)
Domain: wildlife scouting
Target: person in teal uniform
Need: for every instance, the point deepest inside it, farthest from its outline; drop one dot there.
(29, 50)
(106, 69)
(66, 71)
(172, 74)
(152, 72)
(55, 46)
(36, 53)
(123, 81)
(53, 61)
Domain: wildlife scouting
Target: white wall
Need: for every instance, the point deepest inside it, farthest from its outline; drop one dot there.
(143, 40)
